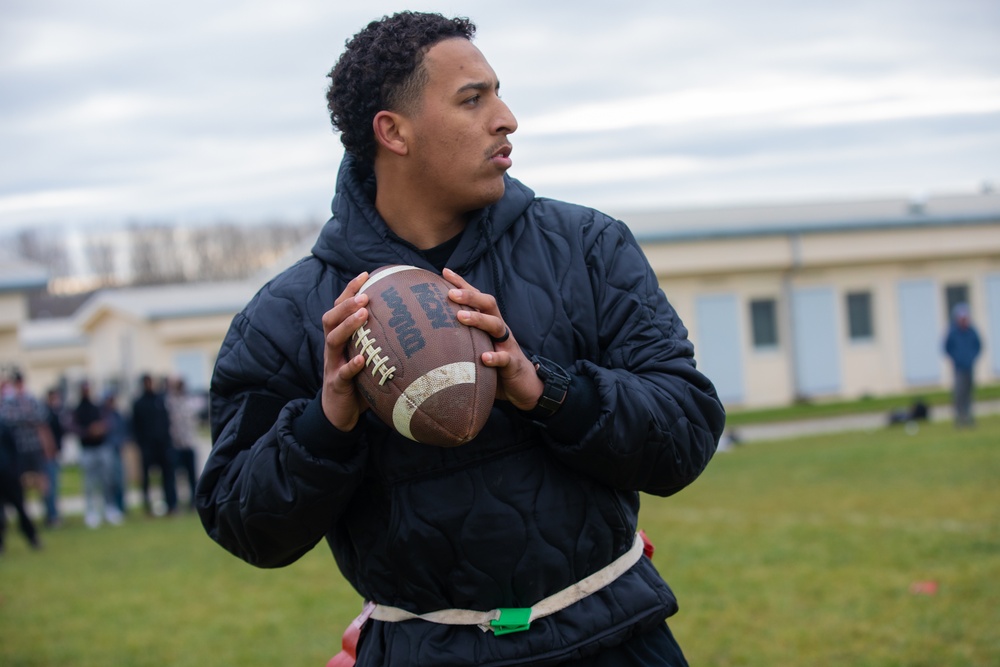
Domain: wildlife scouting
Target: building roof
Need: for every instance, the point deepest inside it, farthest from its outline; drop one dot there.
(810, 217)
(49, 333)
(45, 305)
(149, 303)
(159, 302)
(18, 274)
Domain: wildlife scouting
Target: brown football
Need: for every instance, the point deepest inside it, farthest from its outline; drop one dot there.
(423, 373)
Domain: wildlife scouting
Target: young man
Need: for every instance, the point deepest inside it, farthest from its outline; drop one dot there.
(183, 432)
(151, 430)
(11, 490)
(25, 416)
(96, 461)
(598, 394)
(56, 418)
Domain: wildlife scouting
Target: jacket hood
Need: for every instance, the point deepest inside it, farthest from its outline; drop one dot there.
(358, 239)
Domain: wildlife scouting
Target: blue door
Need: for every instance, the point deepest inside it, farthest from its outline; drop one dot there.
(719, 347)
(814, 341)
(921, 331)
(992, 338)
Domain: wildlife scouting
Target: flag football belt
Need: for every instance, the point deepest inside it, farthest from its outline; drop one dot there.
(497, 621)
(504, 621)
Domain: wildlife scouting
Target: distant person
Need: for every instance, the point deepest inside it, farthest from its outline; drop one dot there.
(962, 345)
(96, 461)
(26, 417)
(55, 416)
(118, 433)
(184, 433)
(151, 429)
(11, 491)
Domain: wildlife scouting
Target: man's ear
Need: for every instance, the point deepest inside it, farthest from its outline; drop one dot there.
(389, 132)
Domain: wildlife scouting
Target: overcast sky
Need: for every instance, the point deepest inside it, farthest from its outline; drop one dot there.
(201, 110)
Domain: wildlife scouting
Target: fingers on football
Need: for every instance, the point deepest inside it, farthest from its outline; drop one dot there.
(466, 295)
(344, 318)
(480, 320)
(496, 359)
(475, 300)
(347, 372)
(455, 279)
(352, 288)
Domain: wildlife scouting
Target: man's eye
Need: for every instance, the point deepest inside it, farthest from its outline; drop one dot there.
(473, 100)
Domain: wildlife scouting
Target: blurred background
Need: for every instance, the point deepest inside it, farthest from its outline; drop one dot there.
(814, 183)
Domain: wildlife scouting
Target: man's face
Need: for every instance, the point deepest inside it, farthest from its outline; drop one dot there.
(459, 129)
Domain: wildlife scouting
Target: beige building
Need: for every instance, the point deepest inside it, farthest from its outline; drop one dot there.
(833, 300)
(783, 302)
(171, 330)
(17, 279)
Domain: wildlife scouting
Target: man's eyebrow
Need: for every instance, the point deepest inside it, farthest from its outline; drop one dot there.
(481, 86)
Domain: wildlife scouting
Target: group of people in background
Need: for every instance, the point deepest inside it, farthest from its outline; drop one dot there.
(162, 423)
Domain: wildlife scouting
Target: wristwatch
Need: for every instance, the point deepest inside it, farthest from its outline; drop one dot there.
(556, 382)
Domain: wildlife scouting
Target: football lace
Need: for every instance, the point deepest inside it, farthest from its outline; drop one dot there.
(377, 362)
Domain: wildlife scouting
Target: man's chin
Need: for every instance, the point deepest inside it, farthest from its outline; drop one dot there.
(486, 196)
(494, 195)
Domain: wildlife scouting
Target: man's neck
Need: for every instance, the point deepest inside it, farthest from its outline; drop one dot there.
(420, 225)
(413, 215)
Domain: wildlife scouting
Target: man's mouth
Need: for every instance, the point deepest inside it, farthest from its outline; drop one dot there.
(500, 155)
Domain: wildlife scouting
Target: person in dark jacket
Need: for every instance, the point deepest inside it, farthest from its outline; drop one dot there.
(962, 345)
(11, 491)
(151, 430)
(529, 531)
(56, 418)
(25, 415)
(96, 461)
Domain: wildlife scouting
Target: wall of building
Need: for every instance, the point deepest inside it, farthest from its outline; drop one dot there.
(52, 367)
(906, 273)
(190, 345)
(121, 347)
(13, 311)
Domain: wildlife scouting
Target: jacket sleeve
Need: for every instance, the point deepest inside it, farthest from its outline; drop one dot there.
(659, 419)
(279, 474)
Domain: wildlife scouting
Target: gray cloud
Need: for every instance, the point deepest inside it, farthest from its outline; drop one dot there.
(197, 111)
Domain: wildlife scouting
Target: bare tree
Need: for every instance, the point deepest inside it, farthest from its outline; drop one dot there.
(45, 248)
(146, 253)
(155, 257)
(101, 260)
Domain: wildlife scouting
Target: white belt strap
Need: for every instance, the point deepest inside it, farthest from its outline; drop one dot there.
(503, 621)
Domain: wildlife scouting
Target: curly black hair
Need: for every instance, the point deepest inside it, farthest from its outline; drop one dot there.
(381, 68)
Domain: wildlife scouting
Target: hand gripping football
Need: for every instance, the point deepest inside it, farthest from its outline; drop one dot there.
(423, 373)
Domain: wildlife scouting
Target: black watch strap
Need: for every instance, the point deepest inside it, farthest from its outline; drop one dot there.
(556, 382)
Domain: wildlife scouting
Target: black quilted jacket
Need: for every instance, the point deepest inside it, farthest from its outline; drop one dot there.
(517, 514)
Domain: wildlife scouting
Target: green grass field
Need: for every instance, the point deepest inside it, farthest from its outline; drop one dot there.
(815, 551)
(841, 407)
